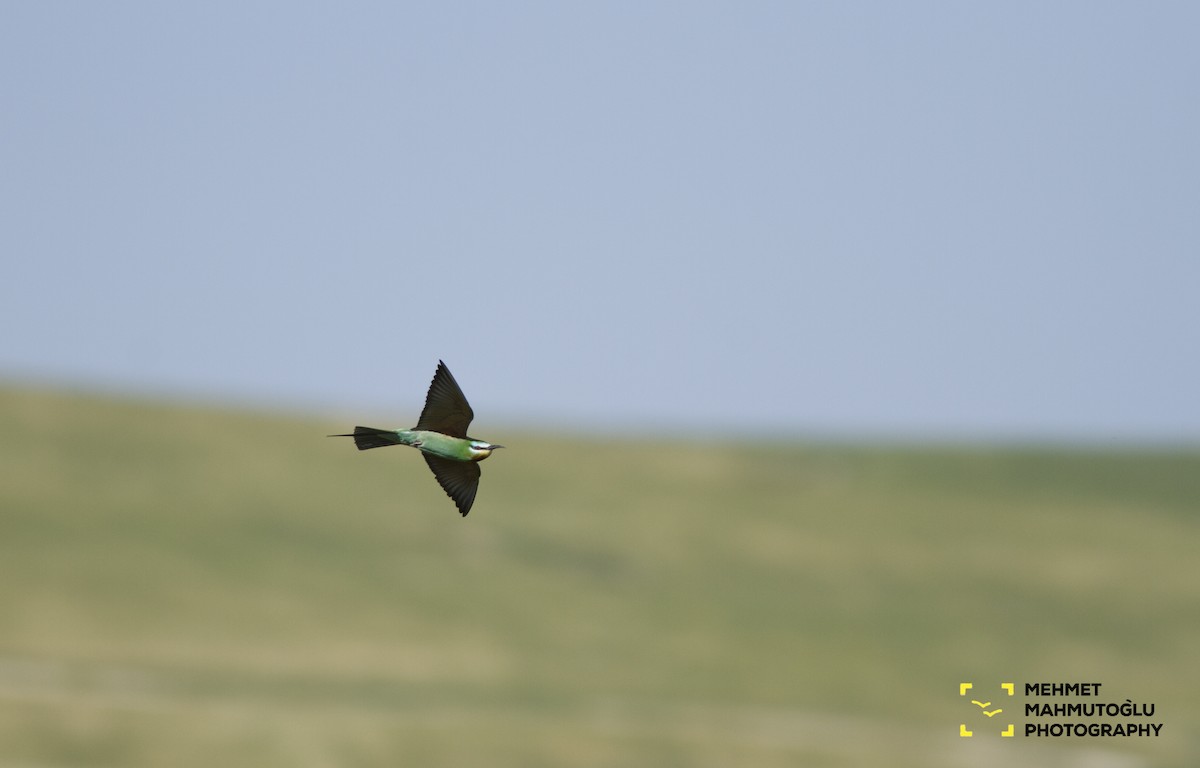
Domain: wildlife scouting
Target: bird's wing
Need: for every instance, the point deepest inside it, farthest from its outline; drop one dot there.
(446, 408)
(459, 479)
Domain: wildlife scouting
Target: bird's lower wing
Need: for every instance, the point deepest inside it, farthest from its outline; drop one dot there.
(459, 479)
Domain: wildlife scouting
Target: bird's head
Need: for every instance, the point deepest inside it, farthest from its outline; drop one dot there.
(480, 450)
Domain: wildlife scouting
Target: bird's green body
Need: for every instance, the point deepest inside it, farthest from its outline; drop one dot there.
(441, 437)
(446, 446)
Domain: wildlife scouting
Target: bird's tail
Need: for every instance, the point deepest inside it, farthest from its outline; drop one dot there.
(369, 437)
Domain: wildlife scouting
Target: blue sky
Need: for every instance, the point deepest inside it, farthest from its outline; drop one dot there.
(901, 219)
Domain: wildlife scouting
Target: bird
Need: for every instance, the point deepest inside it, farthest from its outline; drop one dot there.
(441, 437)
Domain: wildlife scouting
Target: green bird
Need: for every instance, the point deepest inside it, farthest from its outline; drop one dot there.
(441, 436)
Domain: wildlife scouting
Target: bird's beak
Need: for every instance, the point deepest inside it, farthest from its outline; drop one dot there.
(494, 446)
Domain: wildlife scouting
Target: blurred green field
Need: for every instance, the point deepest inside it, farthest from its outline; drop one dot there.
(194, 587)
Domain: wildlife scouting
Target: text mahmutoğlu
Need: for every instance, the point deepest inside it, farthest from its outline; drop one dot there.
(1123, 709)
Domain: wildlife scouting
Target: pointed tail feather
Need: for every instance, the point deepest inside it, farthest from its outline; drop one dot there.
(369, 437)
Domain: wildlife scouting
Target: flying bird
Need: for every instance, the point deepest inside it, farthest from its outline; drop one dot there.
(441, 436)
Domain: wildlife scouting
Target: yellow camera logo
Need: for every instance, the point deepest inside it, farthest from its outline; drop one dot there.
(988, 708)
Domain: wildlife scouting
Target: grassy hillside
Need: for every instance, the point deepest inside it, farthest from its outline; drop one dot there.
(193, 587)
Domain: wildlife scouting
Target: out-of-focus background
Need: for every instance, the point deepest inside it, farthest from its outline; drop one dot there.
(844, 354)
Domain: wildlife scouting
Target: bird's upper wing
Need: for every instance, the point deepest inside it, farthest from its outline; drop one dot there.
(459, 479)
(446, 408)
